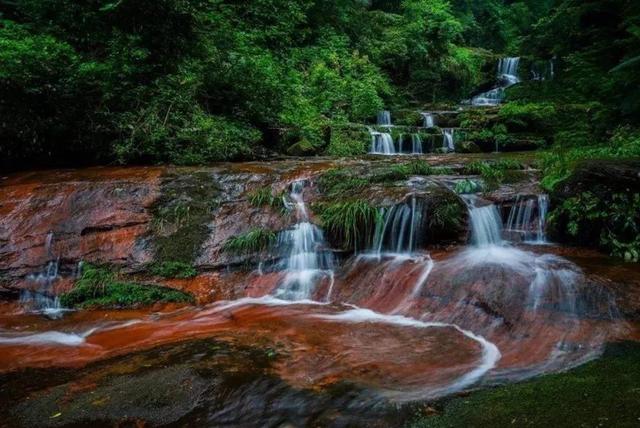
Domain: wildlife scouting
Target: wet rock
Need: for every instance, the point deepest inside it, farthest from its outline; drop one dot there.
(158, 397)
(97, 214)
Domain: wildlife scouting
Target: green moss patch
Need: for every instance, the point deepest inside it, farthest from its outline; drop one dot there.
(181, 216)
(100, 287)
(174, 270)
(602, 393)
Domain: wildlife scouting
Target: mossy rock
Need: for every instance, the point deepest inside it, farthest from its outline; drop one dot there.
(467, 147)
(302, 148)
(181, 215)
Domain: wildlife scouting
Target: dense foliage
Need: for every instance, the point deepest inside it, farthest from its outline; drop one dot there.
(193, 81)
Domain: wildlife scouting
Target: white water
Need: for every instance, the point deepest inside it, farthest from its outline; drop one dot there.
(416, 144)
(308, 258)
(428, 120)
(381, 143)
(384, 118)
(507, 76)
(528, 218)
(448, 137)
(490, 353)
(400, 229)
(486, 223)
(42, 298)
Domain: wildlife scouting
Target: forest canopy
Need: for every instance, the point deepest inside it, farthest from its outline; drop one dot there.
(196, 81)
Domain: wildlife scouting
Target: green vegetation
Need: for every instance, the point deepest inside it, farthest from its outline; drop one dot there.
(467, 186)
(560, 162)
(254, 241)
(603, 392)
(350, 223)
(612, 222)
(264, 197)
(100, 287)
(492, 173)
(174, 270)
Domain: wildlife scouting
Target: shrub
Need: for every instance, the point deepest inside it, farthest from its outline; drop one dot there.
(348, 142)
(613, 222)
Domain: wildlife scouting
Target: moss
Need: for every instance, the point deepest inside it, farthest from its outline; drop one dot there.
(602, 393)
(100, 287)
(338, 182)
(181, 216)
(174, 270)
(254, 241)
(348, 223)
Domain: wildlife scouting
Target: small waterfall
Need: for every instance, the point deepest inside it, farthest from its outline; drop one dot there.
(416, 144)
(381, 143)
(42, 298)
(528, 218)
(400, 228)
(384, 118)
(428, 120)
(448, 135)
(508, 70)
(308, 257)
(507, 76)
(486, 223)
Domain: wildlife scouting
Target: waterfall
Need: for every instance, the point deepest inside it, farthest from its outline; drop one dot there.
(507, 76)
(308, 258)
(508, 70)
(400, 228)
(42, 298)
(384, 118)
(528, 218)
(416, 144)
(448, 136)
(486, 224)
(381, 143)
(428, 120)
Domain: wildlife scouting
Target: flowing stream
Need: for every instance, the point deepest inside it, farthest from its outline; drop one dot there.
(396, 322)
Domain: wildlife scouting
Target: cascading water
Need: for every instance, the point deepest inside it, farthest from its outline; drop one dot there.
(42, 298)
(400, 228)
(416, 145)
(448, 138)
(381, 143)
(528, 218)
(308, 258)
(428, 121)
(384, 118)
(486, 224)
(507, 76)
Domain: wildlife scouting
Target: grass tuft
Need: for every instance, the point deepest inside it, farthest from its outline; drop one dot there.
(254, 241)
